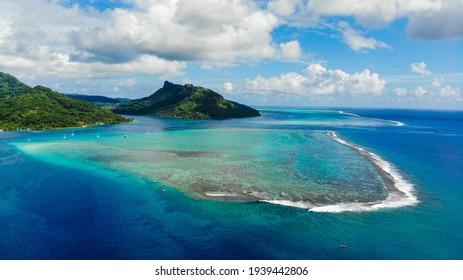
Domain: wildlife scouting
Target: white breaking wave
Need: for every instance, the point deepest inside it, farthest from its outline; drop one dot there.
(395, 123)
(402, 194)
(349, 114)
(297, 204)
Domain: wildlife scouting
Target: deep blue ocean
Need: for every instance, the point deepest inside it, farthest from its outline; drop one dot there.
(56, 203)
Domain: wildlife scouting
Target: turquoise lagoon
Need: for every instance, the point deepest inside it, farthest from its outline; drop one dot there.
(292, 184)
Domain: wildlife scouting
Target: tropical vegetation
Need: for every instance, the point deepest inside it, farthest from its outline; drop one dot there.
(26, 108)
(186, 101)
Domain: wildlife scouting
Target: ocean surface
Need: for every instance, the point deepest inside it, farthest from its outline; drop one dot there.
(294, 183)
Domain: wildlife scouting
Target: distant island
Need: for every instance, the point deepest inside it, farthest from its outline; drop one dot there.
(188, 102)
(95, 99)
(25, 108)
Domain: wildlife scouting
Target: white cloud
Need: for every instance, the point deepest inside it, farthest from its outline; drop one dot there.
(427, 19)
(290, 50)
(59, 64)
(420, 68)
(40, 43)
(434, 91)
(446, 22)
(182, 30)
(284, 7)
(124, 85)
(420, 91)
(228, 87)
(373, 13)
(437, 82)
(128, 82)
(317, 80)
(400, 91)
(108, 86)
(162, 37)
(5, 30)
(356, 40)
(152, 37)
(289, 82)
(148, 65)
(448, 91)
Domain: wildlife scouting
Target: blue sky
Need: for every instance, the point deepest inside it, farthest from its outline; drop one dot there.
(391, 53)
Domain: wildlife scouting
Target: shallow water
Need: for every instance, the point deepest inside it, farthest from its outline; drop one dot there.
(112, 197)
(260, 163)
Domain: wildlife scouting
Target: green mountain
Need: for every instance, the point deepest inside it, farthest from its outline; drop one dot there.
(95, 99)
(10, 86)
(22, 107)
(189, 102)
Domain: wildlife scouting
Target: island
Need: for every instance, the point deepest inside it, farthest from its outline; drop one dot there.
(95, 99)
(25, 108)
(186, 102)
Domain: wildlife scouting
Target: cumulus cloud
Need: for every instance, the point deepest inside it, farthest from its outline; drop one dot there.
(400, 91)
(446, 22)
(373, 13)
(151, 37)
(46, 62)
(123, 84)
(163, 37)
(289, 82)
(283, 7)
(437, 82)
(448, 91)
(228, 87)
(427, 19)
(40, 43)
(420, 91)
(440, 88)
(182, 30)
(435, 90)
(356, 40)
(109, 86)
(5, 30)
(318, 80)
(290, 50)
(420, 68)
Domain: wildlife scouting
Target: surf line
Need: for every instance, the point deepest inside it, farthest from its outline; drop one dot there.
(400, 192)
(395, 123)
